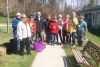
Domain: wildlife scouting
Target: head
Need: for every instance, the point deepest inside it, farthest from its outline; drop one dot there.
(67, 16)
(24, 18)
(74, 14)
(81, 18)
(18, 15)
(49, 16)
(59, 17)
(31, 17)
(39, 13)
(54, 18)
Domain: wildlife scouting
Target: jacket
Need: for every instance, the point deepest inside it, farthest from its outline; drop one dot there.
(81, 28)
(46, 25)
(32, 24)
(39, 24)
(72, 25)
(15, 24)
(54, 27)
(23, 30)
(65, 23)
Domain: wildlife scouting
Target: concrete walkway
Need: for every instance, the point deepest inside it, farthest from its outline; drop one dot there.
(52, 56)
(5, 25)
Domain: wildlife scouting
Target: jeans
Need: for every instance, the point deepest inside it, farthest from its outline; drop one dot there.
(54, 39)
(80, 41)
(25, 42)
(16, 42)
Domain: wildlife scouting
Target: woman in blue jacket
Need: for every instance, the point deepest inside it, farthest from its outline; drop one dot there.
(81, 30)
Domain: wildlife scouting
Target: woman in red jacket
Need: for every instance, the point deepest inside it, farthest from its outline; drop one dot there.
(32, 24)
(54, 29)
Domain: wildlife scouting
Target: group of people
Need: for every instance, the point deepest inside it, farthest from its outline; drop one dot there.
(52, 30)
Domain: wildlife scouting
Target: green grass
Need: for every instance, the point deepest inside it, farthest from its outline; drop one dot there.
(18, 61)
(4, 36)
(13, 60)
(4, 19)
(94, 38)
(70, 58)
(69, 53)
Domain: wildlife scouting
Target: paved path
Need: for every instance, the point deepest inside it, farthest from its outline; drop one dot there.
(52, 56)
(5, 24)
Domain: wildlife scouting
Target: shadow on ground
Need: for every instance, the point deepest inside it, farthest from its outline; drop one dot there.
(71, 61)
(95, 31)
(10, 47)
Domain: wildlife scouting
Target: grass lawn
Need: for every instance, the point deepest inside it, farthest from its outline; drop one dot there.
(4, 19)
(4, 37)
(13, 60)
(70, 56)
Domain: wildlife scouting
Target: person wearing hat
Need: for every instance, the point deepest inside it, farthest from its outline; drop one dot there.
(24, 35)
(54, 30)
(15, 23)
(81, 30)
(74, 28)
(39, 27)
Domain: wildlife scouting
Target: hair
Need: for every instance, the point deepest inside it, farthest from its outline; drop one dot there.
(81, 17)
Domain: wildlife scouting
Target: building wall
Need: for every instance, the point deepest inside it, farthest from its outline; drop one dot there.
(92, 18)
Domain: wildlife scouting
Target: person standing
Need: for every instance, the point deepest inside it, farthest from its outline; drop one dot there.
(39, 27)
(15, 23)
(74, 28)
(65, 32)
(60, 21)
(24, 34)
(54, 29)
(81, 30)
(47, 29)
(32, 24)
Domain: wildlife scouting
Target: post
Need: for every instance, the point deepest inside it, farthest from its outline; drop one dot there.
(7, 16)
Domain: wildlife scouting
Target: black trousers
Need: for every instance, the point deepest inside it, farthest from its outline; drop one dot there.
(48, 36)
(38, 36)
(25, 43)
(67, 38)
(60, 35)
(64, 33)
(72, 38)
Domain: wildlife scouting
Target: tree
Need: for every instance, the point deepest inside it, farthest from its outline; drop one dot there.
(92, 3)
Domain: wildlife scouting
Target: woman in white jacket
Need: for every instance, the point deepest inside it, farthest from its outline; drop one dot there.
(24, 34)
